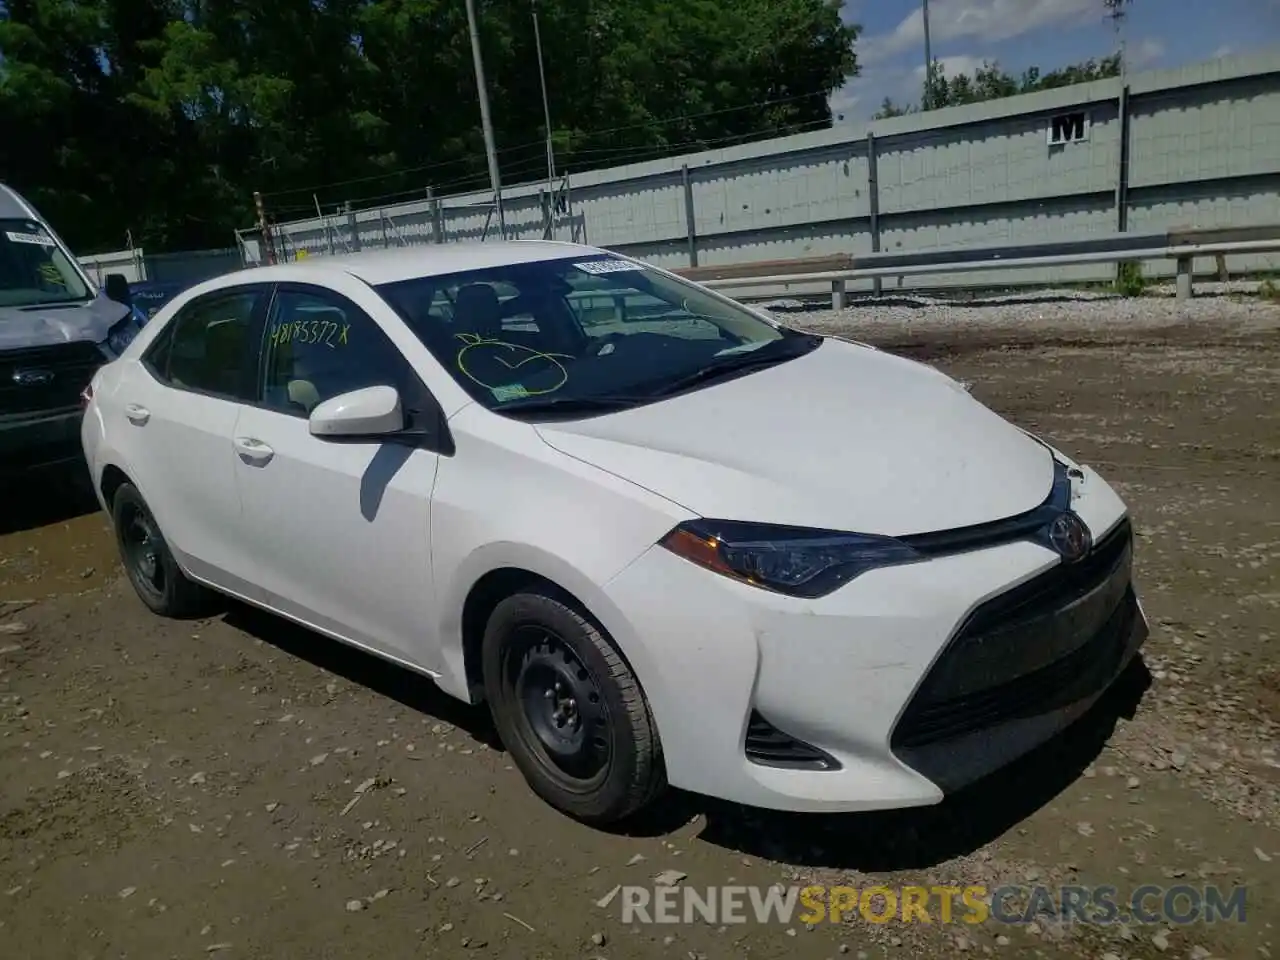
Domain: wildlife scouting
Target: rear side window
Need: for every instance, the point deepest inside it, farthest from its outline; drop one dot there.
(206, 347)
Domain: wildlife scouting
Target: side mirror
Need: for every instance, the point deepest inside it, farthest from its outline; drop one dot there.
(116, 286)
(367, 413)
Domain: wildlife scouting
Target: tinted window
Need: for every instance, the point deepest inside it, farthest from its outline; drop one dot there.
(209, 346)
(592, 328)
(156, 357)
(319, 345)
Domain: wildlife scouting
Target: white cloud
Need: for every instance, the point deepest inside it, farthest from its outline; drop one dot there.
(1146, 52)
(844, 104)
(1226, 49)
(862, 96)
(987, 20)
(951, 67)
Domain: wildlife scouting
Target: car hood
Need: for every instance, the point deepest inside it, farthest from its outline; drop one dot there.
(845, 437)
(45, 326)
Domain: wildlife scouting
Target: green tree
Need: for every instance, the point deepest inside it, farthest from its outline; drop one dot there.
(990, 82)
(161, 117)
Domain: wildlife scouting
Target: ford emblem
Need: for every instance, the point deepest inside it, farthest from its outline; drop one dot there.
(32, 378)
(1070, 537)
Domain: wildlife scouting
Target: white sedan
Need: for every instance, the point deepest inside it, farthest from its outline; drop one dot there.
(664, 537)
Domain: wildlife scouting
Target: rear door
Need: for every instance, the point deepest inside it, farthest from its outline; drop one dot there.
(174, 418)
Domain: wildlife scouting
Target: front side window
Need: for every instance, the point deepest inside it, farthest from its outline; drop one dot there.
(207, 347)
(319, 345)
(582, 332)
(34, 270)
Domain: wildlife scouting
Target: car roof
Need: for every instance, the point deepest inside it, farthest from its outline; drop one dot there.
(423, 260)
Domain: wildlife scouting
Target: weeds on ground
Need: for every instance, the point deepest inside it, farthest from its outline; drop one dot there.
(1269, 290)
(1129, 279)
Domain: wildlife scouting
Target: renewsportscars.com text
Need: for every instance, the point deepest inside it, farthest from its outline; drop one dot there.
(1011, 904)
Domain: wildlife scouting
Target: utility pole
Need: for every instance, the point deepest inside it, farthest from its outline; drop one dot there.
(1117, 14)
(264, 231)
(486, 122)
(546, 104)
(927, 102)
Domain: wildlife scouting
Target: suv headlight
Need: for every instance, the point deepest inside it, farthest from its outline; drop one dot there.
(793, 560)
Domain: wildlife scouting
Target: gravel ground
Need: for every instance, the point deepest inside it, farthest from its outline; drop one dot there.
(239, 787)
(1046, 311)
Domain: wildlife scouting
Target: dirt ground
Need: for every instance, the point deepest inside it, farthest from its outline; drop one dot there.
(238, 787)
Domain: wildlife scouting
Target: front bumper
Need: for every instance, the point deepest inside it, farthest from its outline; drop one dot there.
(908, 683)
(31, 441)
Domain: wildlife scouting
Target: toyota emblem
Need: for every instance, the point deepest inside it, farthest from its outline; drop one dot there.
(1070, 537)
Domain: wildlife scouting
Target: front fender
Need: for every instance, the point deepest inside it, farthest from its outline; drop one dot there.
(520, 556)
(509, 500)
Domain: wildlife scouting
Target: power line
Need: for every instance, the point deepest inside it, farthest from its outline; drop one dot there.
(615, 156)
(541, 144)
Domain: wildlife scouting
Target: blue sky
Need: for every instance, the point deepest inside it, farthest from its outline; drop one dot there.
(1043, 33)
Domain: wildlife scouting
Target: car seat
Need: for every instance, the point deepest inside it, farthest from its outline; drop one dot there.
(223, 354)
(311, 364)
(476, 310)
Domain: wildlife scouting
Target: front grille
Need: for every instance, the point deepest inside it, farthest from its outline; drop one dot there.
(1041, 646)
(46, 379)
(770, 747)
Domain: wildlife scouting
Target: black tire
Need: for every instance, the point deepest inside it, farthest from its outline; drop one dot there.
(149, 563)
(598, 762)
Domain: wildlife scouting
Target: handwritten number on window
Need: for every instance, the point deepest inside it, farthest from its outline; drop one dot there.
(327, 332)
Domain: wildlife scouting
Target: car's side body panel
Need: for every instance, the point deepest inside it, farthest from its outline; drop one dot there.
(507, 500)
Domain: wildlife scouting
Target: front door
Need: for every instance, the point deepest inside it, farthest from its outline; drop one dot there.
(340, 529)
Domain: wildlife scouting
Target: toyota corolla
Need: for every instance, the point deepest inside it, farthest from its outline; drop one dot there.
(667, 539)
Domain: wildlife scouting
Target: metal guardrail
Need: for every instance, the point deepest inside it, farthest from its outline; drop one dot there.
(1182, 246)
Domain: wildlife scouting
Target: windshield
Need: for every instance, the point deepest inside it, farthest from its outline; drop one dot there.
(33, 268)
(591, 330)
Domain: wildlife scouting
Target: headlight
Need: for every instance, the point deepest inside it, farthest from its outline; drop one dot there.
(122, 334)
(791, 560)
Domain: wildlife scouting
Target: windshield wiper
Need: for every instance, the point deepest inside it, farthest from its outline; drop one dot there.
(570, 405)
(732, 363)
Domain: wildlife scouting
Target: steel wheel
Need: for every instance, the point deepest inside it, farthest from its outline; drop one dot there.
(563, 716)
(148, 561)
(143, 549)
(569, 709)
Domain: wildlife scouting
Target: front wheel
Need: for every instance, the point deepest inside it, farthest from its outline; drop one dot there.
(570, 711)
(148, 562)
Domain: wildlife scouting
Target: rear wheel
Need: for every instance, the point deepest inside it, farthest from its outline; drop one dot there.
(570, 711)
(149, 563)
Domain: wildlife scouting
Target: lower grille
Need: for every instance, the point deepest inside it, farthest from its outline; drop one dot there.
(770, 747)
(46, 379)
(1044, 645)
(1067, 681)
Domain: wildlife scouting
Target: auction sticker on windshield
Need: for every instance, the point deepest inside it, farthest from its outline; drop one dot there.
(41, 239)
(598, 267)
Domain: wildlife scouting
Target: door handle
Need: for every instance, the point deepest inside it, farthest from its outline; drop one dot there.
(137, 415)
(253, 451)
